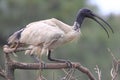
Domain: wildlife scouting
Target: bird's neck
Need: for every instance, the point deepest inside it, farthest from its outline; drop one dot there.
(78, 22)
(76, 26)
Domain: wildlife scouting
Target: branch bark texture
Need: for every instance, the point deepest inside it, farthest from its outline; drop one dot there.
(11, 65)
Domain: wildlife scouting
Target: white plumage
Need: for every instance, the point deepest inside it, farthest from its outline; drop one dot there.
(45, 35)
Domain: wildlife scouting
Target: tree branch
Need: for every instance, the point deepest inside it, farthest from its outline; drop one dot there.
(2, 73)
(33, 66)
(11, 65)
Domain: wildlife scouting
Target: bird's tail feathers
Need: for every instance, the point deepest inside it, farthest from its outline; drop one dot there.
(14, 38)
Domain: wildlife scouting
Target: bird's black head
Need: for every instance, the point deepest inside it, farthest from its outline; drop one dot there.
(86, 13)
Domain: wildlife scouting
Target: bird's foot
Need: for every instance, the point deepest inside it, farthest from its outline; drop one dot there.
(37, 60)
(43, 65)
(69, 63)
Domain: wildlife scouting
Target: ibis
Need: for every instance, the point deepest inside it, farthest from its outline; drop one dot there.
(45, 35)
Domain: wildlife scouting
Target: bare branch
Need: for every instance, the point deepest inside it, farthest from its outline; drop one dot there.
(2, 73)
(97, 70)
(40, 77)
(69, 74)
(12, 65)
(115, 66)
(85, 70)
(7, 49)
(112, 55)
(35, 66)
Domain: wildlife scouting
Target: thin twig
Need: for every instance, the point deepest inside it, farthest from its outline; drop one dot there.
(115, 64)
(97, 70)
(7, 49)
(69, 74)
(2, 73)
(112, 54)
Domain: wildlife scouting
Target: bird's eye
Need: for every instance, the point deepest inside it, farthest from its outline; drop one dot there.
(88, 11)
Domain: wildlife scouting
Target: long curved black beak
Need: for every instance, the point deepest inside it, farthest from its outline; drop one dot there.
(93, 17)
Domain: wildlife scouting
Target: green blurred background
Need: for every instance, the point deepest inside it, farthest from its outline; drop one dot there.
(90, 50)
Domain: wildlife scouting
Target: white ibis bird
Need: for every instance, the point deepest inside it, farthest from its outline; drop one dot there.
(45, 35)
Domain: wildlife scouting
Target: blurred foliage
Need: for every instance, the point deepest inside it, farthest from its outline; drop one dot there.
(89, 50)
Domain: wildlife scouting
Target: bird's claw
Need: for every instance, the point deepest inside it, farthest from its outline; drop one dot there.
(69, 64)
(43, 65)
(37, 60)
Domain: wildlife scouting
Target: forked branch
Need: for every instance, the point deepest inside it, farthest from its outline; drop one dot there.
(11, 65)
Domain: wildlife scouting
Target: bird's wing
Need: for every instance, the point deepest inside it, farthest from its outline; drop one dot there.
(37, 33)
(53, 22)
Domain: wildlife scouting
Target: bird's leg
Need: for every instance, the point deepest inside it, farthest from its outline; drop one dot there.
(38, 60)
(59, 60)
